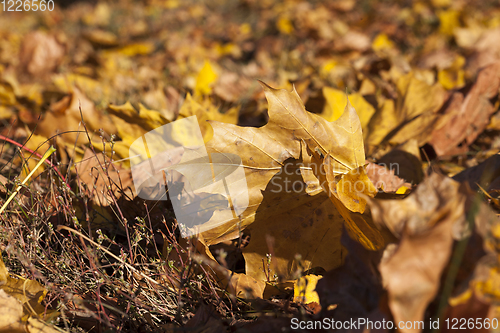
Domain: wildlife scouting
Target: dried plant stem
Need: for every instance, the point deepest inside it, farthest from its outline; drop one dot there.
(132, 268)
(44, 157)
(36, 154)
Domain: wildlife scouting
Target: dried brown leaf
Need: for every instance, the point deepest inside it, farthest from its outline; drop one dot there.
(469, 118)
(425, 221)
(40, 53)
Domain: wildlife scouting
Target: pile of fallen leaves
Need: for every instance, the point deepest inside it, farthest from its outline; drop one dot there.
(373, 173)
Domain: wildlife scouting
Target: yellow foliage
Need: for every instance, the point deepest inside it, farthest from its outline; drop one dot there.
(453, 77)
(441, 3)
(402, 190)
(20, 301)
(304, 289)
(137, 49)
(245, 28)
(131, 125)
(205, 80)
(337, 99)
(284, 26)
(204, 111)
(89, 86)
(227, 49)
(448, 21)
(5, 112)
(7, 95)
(382, 43)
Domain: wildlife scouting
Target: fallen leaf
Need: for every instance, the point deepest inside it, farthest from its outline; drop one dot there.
(485, 44)
(427, 221)
(416, 109)
(7, 95)
(470, 117)
(205, 111)
(405, 161)
(67, 121)
(12, 312)
(244, 286)
(453, 77)
(102, 180)
(385, 178)
(304, 289)
(381, 124)
(335, 104)
(263, 152)
(206, 78)
(382, 43)
(288, 224)
(411, 117)
(101, 37)
(484, 173)
(131, 125)
(485, 282)
(20, 301)
(40, 53)
(448, 21)
(231, 87)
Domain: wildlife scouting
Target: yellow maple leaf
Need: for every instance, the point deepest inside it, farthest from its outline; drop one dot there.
(204, 110)
(336, 101)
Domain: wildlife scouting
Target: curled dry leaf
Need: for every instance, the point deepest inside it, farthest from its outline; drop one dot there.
(427, 221)
(384, 178)
(65, 118)
(412, 116)
(468, 116)
(486, 50)
(339, 145)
